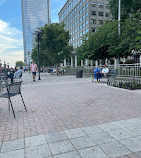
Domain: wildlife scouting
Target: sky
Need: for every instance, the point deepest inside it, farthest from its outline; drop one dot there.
(11, 36)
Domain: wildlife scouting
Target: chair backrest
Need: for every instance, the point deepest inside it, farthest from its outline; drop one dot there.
(15, 88)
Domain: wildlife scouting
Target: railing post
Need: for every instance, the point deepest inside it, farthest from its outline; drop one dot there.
(65, 62)
(75, 60)
(115, 63)
(106, 61)
(71, 61)
(86, 62)
(96, 63)
(91, 63)
(81, 62)
(100, 63)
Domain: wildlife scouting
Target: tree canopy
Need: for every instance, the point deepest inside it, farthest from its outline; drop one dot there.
(19, 63)
(127, 7)
(107, 43)
(54, 46)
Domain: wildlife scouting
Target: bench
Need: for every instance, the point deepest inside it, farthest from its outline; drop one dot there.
(111, 74)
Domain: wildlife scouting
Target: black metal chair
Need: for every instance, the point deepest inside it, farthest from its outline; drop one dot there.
(12, 90)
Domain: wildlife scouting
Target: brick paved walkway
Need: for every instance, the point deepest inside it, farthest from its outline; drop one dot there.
(71, 108)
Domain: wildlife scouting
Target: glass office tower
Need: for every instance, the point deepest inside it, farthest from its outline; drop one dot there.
(35, 13)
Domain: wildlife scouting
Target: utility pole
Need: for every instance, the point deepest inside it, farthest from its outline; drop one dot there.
(119, 17)
(119, 10)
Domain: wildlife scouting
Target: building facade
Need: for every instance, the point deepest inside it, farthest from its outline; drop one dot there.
(83, 16)
(35, 13)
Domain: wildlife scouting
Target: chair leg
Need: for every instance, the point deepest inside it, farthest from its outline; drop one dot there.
(8, 104)
(12, 107)
(23, 102)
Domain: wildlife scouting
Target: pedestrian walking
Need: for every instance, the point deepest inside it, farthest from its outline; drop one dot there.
(33, 68)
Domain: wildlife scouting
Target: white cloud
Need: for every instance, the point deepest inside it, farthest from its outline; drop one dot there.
(11, 43)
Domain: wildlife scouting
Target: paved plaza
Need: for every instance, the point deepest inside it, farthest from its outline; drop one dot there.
(71, 118)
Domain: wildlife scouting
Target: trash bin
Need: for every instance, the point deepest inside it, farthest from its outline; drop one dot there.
(49, 70)
(79, 73)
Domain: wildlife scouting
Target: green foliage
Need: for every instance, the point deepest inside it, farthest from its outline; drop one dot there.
(107, 43)
(19, 63)
(54, 46)
(127, 7)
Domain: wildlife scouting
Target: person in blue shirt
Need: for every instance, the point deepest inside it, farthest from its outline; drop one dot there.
(98, 74)
(18, 73)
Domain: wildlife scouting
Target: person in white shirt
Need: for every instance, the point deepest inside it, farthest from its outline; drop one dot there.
(105, 70)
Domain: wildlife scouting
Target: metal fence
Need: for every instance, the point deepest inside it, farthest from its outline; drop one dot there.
(129, 70)
(123, 70)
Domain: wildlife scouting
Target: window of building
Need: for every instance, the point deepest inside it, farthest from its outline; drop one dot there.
(80, 34)
(107, 6)
(87, 22)
(77, 28)
(83, 24)
(93, 21)
(86, 14)
(93, 4)
(83, 16)
(83, 9)
(87, 30)
(100, 5)
(80, 27)
(80, 19)
(93, 29)
(107, 14)
(93, 12)
(77, 7)
(78, 14)
(83, 1)
(100, 13)
(100, 22)
(84, 32)
(86, 5)
(80, 41)
(80, 4)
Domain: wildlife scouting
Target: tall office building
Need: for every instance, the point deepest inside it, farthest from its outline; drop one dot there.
(82, 16)
(35, 13)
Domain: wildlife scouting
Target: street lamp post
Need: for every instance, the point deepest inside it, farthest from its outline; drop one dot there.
(38, 56)
(38, 35)
(29, 61)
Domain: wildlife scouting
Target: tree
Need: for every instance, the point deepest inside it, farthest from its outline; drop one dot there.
(54, 46)
(43, 57)
(107, 43)
(127, 7)
(19, 63)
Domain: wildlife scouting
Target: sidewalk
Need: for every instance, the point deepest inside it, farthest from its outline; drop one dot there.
(71, 118)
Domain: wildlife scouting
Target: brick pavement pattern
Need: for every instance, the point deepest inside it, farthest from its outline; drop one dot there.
(71, 118)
